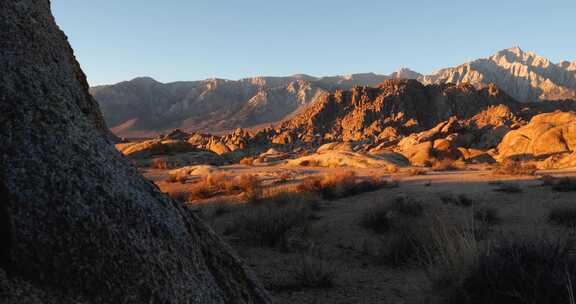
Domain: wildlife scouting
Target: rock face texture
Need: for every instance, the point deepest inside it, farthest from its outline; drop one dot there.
(78, 223)
(548, 134)
(524, 75)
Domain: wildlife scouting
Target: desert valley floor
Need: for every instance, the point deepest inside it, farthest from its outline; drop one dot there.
(333, 257)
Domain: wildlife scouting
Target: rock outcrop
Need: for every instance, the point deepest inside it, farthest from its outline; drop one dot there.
(547, 135)
(83, 225)
(395, 108)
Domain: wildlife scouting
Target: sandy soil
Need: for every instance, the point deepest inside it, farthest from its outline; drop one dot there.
(347, 246)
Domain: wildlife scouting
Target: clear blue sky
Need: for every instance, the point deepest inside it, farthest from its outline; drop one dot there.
(171, 40)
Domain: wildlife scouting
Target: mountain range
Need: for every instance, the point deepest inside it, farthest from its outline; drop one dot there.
(145, 107)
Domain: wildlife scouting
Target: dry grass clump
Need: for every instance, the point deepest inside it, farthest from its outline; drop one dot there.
(171, 178)
(563, 216)
(271, 221)
(448, 249)
(380, 217)
(310, 163)
(487, 215)
(247, 184)
(179, 196)
(285, 177)
(377, 219)
(516, 168)
(445, 165)
(399, 249)
(436, 242)
(267, 226)
(315, 273)
(407, 206)
(417, 171)
(508, 188)
(536, 270)
(338, 185)
(159, 163)
(248, 161)
(176, 179)
(461, 200)
(563, 184)
(212, 210)
(222, 184)
(303, 200)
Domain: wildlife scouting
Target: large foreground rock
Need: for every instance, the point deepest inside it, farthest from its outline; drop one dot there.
(77, 223)
(546, 135)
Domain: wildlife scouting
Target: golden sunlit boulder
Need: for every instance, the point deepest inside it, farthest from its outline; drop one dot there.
(546, 135)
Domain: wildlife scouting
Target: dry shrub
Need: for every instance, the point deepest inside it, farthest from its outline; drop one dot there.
(285, 177)
(199, 191)
(179, 196)
(159, 163)
(377, 219)
(444, 165)
(222, 184)
(310, 163)
(343, 184)
(548, 180)
(416, 171)
(380, 218)
(315, 273)
(508, 188)
(212, 210)
(563, 184)
(267, 225)
(301, 200)
(407, 206)
(177, 178)
(209, 186)
(182, 179)
(516, 168)
(487, 215)
(440, 244)
(217, 181)
(563, 216)
(448, 248)
(461, 200)
(529, 270)
(171, 178)
(248, 161)
(249, 184)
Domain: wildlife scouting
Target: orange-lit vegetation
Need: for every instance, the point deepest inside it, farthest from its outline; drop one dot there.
(512, 167)
(159, 163)
(248, 161)
(334, 186)
(222, 184)
(445, 165)
(417, 171)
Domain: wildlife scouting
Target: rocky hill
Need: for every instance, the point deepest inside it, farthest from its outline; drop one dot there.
(396, 107)
(526, 76)
(78, 223)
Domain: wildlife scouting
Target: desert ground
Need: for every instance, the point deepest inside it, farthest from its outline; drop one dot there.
(332, 256)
